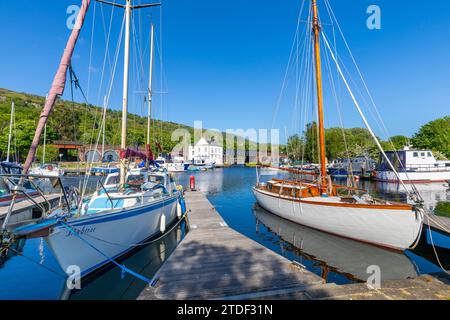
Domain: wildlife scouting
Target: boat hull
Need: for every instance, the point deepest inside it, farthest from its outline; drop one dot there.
(390, 228)
(114, 234)
(413, 177)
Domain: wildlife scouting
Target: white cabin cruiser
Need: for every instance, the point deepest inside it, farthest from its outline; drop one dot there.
(48, 169)
(417, 166)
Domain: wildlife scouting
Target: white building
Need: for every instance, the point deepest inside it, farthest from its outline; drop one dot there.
(206, 152)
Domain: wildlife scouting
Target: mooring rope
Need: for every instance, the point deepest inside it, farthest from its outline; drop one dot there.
(121, 266)
(141, 243)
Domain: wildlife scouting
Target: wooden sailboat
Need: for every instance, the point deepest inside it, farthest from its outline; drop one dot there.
(319, 206)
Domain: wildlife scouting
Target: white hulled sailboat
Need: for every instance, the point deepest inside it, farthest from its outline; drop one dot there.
(319, 205)
(93, 231)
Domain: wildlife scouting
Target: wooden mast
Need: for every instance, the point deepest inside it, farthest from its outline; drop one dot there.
(316, 31)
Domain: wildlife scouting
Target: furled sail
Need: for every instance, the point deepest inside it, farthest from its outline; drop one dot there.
(58, 84)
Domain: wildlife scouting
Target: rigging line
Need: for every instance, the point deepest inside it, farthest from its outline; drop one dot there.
(307, 70)
(435, 252)
(362, 115)
(283, 87)
(129, 245)
(341, 122)
(37, 263)
(90, 50)
(139, 51)
(413, 186)
(106, 103)
(116, 58)
(383, 127)
(123, 267)
(106, 55)
(297, 78)
(308, 89)
(331, 12)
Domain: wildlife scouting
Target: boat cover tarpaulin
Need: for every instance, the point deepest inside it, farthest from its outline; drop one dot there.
(131, 153)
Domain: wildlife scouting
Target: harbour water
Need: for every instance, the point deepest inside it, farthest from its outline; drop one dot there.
(35, 274)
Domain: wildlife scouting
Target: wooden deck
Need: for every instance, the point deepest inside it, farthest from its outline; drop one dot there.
(441, 224)
(216, 262)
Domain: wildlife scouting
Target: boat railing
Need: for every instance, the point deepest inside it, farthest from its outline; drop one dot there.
(427, 167)
(36, 189)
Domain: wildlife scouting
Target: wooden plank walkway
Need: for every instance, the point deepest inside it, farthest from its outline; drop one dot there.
(216, 262)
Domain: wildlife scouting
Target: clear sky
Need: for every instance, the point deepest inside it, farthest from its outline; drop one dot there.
(224, 60)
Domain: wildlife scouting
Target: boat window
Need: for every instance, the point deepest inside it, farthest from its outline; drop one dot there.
(156, 179)
(136, 179)
(415, 154)
(422, 154)
(429, 154)
(113, 180)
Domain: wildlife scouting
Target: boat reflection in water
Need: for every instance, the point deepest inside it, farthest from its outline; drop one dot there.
(336, 254)
(109, 283)
(432, 193)
(8, 252)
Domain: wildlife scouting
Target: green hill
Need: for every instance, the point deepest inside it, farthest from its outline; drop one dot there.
(77, 122)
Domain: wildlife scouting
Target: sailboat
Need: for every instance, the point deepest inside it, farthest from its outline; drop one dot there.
(47, 169)
(318, 205)
(7, 167)
(93, 231)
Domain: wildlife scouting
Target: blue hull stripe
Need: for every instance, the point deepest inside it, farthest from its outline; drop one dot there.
(122, 215)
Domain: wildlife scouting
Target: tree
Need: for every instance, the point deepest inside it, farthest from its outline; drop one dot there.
(434, 135)
(398, 142)
(311, 143)
(294, 147)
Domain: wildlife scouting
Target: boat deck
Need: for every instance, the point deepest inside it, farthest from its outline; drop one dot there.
(23, 210)
(216, 262)
(441, 224)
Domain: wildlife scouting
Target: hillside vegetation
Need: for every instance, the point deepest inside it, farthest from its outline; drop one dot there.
(79, 122)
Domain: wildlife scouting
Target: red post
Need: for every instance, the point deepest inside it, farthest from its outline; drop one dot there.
(192, 182)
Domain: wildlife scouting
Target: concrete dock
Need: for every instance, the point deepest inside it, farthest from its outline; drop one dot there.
(216, 262)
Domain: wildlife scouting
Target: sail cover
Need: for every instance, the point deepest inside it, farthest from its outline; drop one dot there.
(58, 84)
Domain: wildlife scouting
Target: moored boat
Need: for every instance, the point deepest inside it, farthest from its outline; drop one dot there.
(416, 166)
(339, 210)
(90, 231)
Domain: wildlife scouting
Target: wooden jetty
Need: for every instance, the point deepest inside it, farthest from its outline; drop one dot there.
(27, 209)
(216, 262)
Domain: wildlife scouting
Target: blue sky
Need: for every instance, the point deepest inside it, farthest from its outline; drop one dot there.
(224, 60)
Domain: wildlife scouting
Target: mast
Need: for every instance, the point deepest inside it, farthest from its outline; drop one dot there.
(150, 80)
(126, 65)
(10, 131)
(316, 31)
(126, 61)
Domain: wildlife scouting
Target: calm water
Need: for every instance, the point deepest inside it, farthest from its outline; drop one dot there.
(36, 275)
